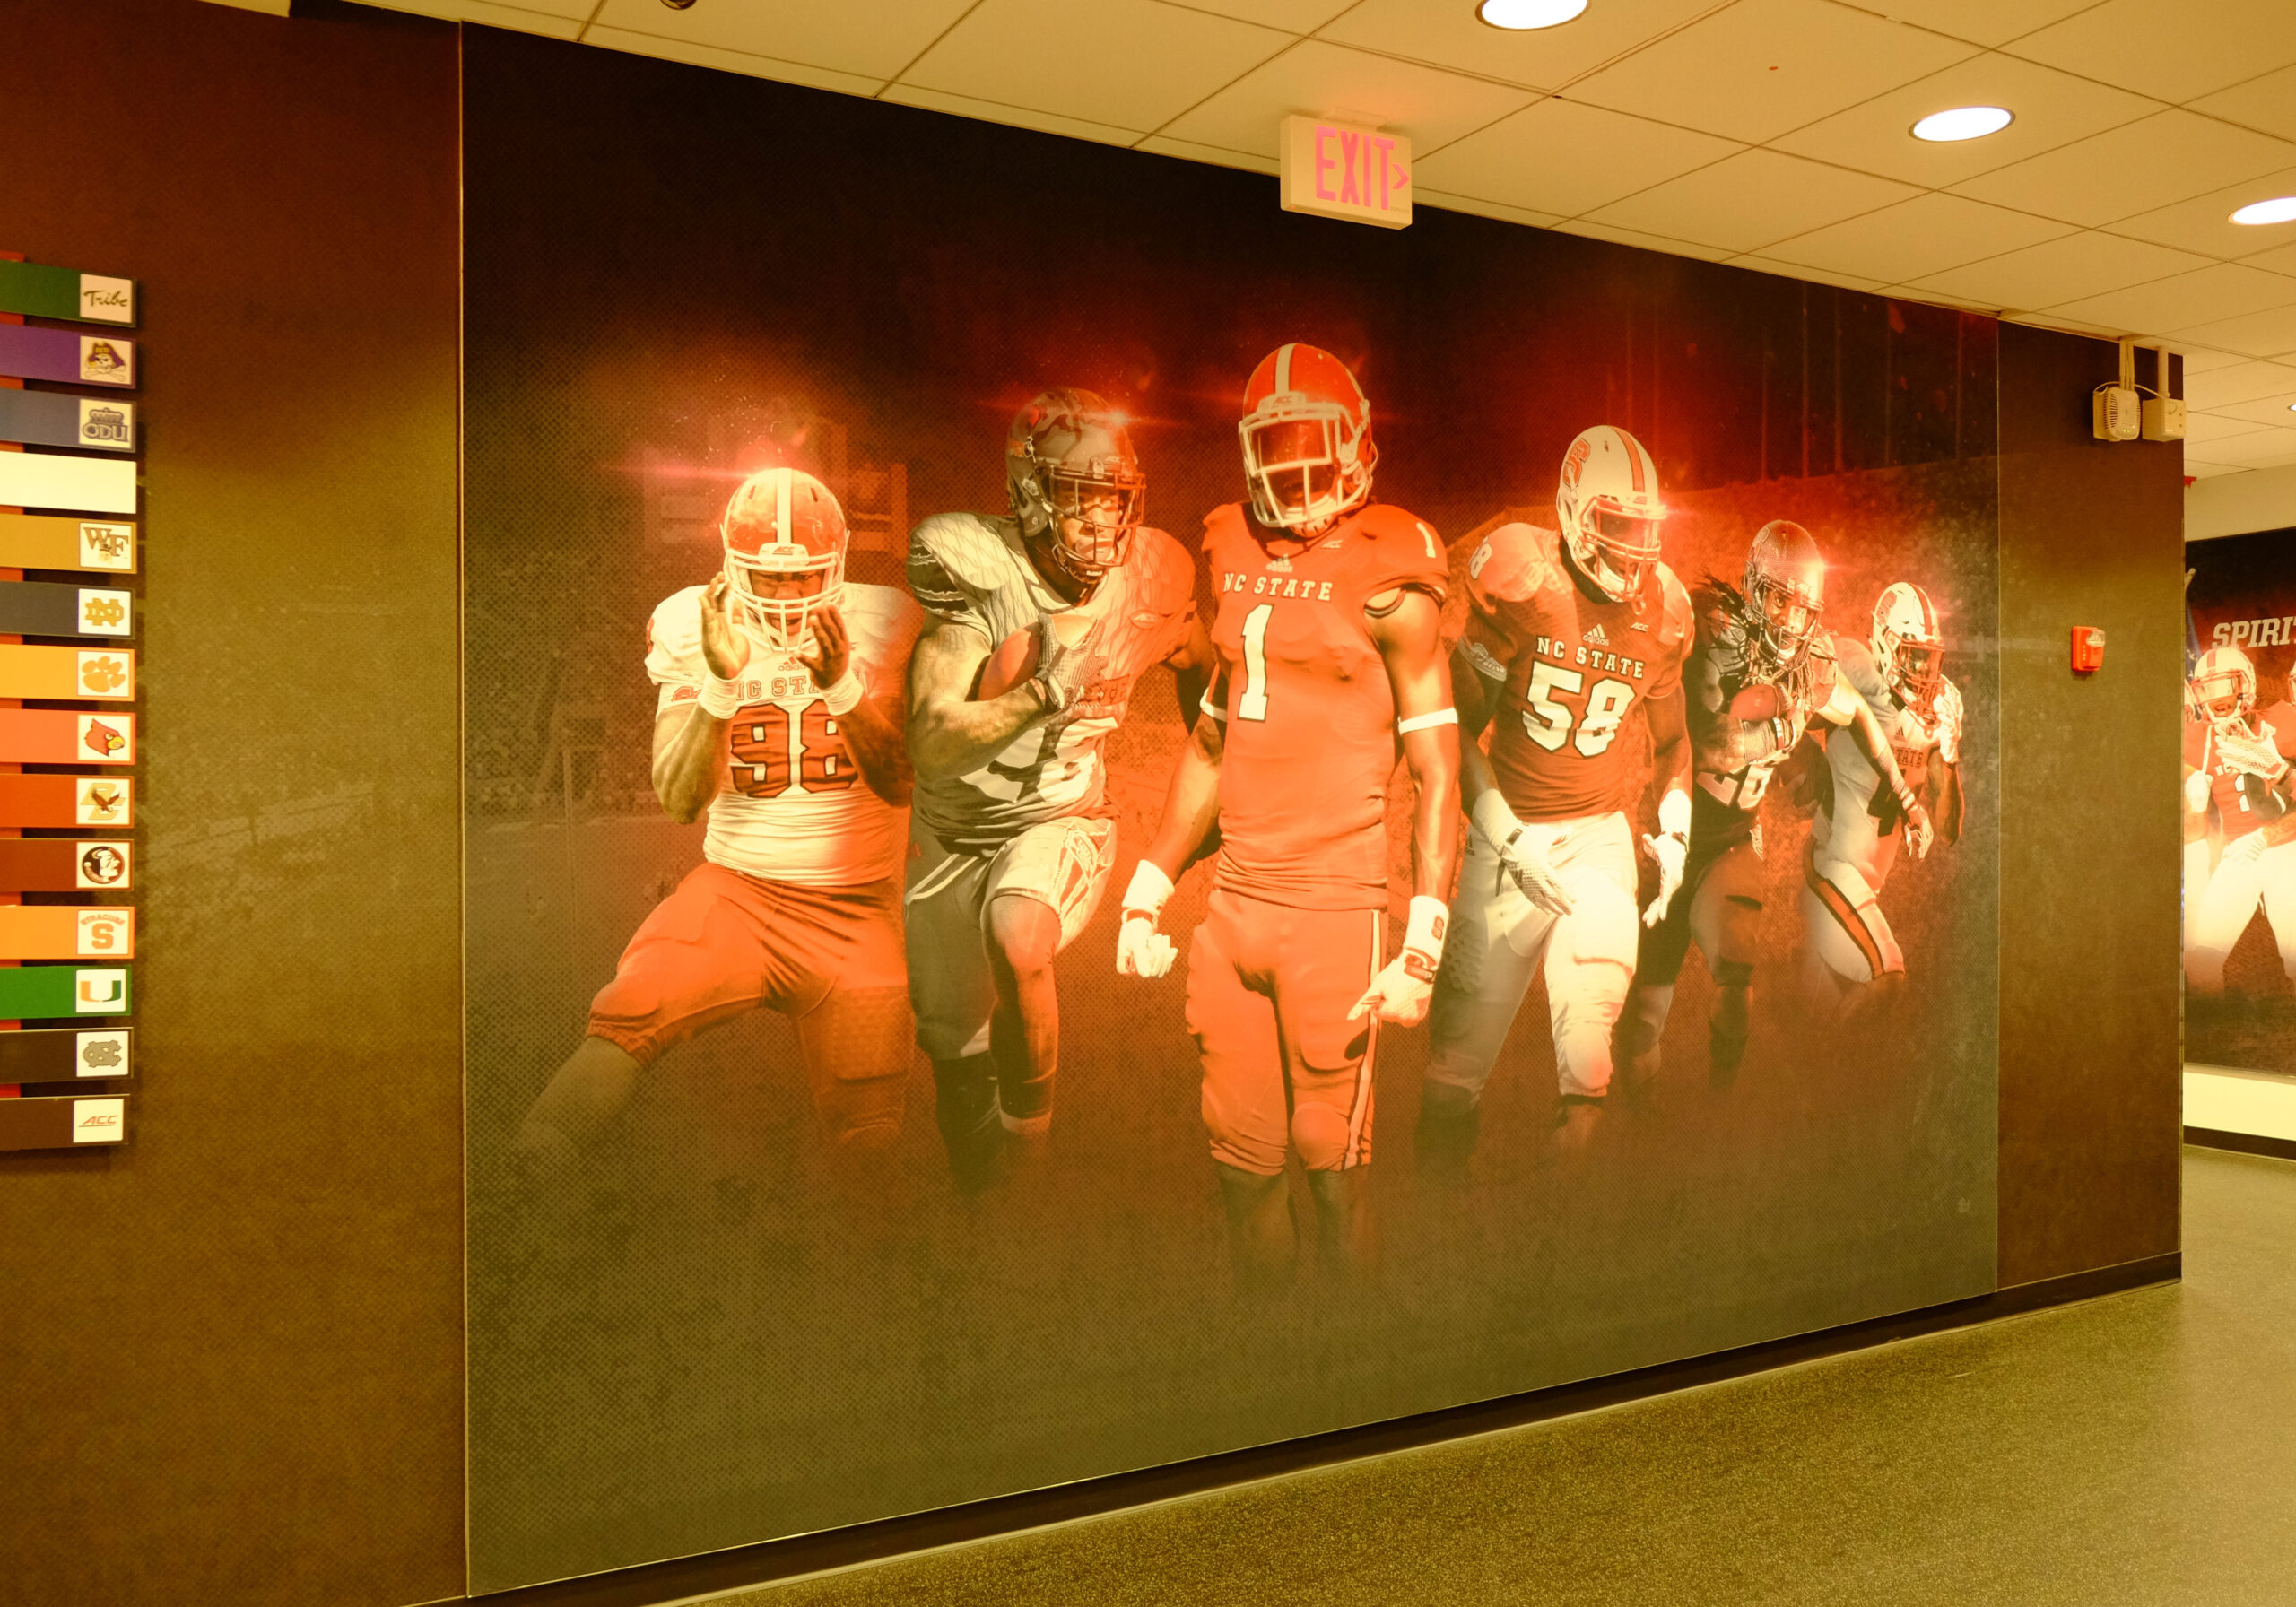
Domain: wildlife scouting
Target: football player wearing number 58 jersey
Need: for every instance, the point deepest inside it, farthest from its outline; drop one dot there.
(1330, 663)
(1573, 630)
(1042, 622)
(780, 715)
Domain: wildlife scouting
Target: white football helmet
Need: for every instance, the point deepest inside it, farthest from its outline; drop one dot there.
(2224, 687)
(1908, 644)
(1607, 503)
(782, 522)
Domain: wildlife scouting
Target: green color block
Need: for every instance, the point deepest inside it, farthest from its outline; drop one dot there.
(37, 992)
(36, 290)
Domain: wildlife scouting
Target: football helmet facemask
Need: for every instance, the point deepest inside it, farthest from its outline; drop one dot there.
(1607, 503)
(1074, 481)
(2224, 687)
(783, 534)
(1909, 644)
(1307, 438)
(1785, 588)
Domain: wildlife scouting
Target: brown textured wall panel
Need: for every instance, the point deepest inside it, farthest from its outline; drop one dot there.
(234, 1349)
(2092, 533)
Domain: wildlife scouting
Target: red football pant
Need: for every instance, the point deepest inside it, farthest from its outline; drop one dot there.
(1268, 992)
(830, 957)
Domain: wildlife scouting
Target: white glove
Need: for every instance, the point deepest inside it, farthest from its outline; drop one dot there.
(1142, 950)
(2196, 792)
(1946, 716)
(1401, 991)
(1918, 832)
(1523, 848)
(1669, 848)
(1066, 662)
(2246, 850)
(2257, 755)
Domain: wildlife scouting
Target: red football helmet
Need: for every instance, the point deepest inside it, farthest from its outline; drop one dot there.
(1307, 435)
(782, 522)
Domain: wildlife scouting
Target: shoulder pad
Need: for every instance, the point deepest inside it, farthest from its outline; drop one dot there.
(964, 548)
(1165, 571)
(1676, 617)
(1384, 522)
(1513, 563)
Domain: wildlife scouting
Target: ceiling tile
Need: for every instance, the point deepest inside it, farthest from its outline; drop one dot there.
(1793, 270)
(1984, 21)
(2205, 222)
(2239, 382)
(1169, 58)
(1450, 35)
(1189, 150)
(1561, 157)
(2220, 291)
(2206, 429)
(1747, 201)
(2196, 469)
(2049, 320)
(2080, 265)
(1292, 16)
(731, 61)
(2258, 334)
(2171, 49)
(2052, 108)
(2279, 410)
(1434, 108)
(875, 41)
(2267, 103)
(989, 111)
(1921, 236)
(2172, 156)
(1476, 207)
(554, 19)
(2204, 360)
(1665, 244)
(2262, 450)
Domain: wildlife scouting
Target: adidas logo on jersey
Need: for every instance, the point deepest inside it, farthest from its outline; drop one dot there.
(1279, 566)
(1596, 638)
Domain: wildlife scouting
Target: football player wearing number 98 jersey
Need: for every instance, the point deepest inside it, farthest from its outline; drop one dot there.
(1574, 630)
(1330, 663)
(779, 713)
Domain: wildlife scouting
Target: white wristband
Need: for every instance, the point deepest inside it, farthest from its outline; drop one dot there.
(844, 694)
(1674, 814)
(1493, 818)
(1424, 933)
(1427, 722)
(1149, 889)
(1211, 708)
(719, 698)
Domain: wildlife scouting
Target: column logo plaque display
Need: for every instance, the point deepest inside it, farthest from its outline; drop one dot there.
(1336, 169)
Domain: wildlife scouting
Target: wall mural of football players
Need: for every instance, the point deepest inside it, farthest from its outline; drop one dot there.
(1076, 598)
(1171, 834)
(2239, 802)
(1330, 659)
(1573, 630)
(1763, 672)
(780, 719)
(1859, 829)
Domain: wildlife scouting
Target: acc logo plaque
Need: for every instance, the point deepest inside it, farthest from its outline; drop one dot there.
(100, 800)
(99, 992)
(106, 300)
(106, 674)
(111, 739)
(103, 864)
(106, 362)
(106, 546)
(106, 613)
(102, 1054)
(104, 934)
(111, 425)
(98, 1121)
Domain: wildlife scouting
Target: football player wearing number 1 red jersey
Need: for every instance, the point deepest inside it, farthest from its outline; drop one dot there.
(780, 715)
(1574, 629)
(1329, 662)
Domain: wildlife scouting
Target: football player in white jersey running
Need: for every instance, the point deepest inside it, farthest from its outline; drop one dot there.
(780, 715)
(1853, 956)
(1041, 619)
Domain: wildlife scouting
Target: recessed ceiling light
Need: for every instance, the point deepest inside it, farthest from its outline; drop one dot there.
(2279, 210)
(1962, 123)
(1518, 15)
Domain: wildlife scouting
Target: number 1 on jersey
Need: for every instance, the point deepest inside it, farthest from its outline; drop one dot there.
(1252, 703)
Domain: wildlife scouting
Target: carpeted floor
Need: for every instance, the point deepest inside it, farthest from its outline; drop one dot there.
(2136, 1449)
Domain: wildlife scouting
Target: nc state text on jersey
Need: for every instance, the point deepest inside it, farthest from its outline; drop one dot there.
(1592, 658)
(1276, 586)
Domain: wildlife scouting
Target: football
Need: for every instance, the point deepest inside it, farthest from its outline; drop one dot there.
(1758, 701)
(1014, 662)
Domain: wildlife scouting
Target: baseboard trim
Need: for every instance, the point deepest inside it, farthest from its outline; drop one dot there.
(2247, 1143)
(686, 1577)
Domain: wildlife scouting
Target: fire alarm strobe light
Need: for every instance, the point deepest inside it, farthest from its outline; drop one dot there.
(2088, 649)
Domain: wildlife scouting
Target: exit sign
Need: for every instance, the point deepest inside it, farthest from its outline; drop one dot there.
(1339, 170)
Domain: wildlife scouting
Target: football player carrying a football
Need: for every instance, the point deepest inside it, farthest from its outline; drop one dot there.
(1762, 671)
(1574, 630)
(1853, 957)
(1042, 619)
(1329, 664)
(2237, 781)
(780, 715)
